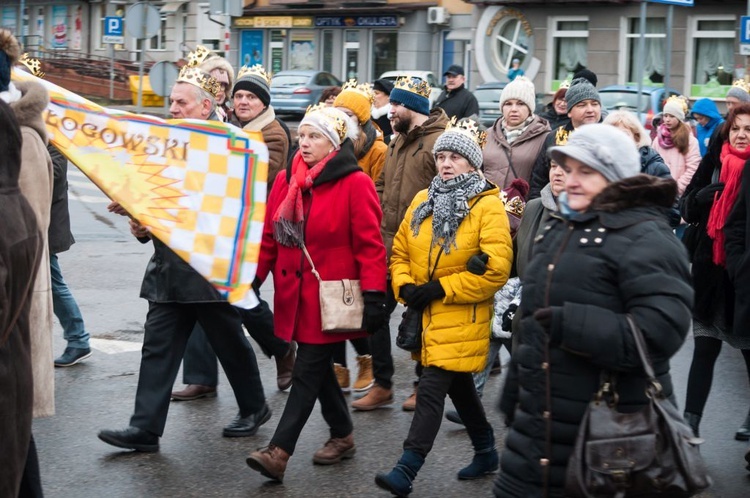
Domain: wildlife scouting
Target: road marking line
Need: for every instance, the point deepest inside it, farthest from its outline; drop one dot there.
(88, 198)
(87, 185)
(113, 346)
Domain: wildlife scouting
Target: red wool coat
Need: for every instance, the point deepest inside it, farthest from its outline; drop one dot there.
(342, 235)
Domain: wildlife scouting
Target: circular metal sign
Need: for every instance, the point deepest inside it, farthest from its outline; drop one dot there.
(162, 76)
(142, 20)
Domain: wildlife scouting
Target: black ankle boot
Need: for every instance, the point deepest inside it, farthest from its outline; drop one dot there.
(743, 433)
(693, 420)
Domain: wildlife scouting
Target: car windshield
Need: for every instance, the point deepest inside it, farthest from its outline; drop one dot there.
(625, 100)
(286, 80)
(489, 95)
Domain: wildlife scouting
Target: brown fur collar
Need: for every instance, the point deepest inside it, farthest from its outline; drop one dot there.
(636, 191)
(30, 107)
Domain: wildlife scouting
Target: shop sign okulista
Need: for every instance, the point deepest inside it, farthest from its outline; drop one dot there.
(356, 22)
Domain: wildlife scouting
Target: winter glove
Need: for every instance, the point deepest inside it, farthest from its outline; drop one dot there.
(406, 292)
(375, 315)
(508, 317)
(550, 319)
(256, 286)
(477, 264)
(424, 294)
(706, 194)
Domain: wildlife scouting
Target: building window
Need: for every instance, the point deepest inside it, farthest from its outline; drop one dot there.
(302, 50)
(384, 47)
(327, 52)
(570, 47)
(654, 59)
(510, 41)
(713, 43)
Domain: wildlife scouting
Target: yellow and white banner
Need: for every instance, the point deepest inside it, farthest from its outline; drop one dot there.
(199, 186)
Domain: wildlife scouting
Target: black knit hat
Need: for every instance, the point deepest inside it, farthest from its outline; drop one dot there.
(384, 85)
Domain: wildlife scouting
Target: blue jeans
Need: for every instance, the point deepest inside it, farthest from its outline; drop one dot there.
(66, 309)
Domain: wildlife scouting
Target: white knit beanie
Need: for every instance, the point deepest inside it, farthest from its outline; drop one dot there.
(521, 89)
(676, 106)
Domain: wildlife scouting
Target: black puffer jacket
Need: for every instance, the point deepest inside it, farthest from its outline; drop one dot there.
(618, 258)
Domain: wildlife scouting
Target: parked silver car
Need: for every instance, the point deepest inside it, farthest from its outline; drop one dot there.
(292, 91)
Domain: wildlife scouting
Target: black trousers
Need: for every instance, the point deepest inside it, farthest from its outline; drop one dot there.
(168, 327)
(361, 347)
(313, 379)
(380, 346)
(31, 482)
(200, 365)
(434, 384)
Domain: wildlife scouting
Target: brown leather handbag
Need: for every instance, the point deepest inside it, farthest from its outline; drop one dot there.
(651, 452)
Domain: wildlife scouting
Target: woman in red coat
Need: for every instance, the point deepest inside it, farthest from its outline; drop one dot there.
(325, 201)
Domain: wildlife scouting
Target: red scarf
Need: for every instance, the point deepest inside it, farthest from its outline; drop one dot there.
(289, 220)
(732, 163)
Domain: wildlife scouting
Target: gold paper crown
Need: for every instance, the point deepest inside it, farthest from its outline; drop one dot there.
(33, 65)
(196, 77)
(338, 124)
(680, 101)
(742, 85)
(256, 70)
(564, 84)
(409, 84)
(198, 56)
(514, 206)
(363, 89)
(470, 128)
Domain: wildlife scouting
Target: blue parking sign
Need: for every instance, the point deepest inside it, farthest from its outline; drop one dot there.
(745, 29)
(113, 26)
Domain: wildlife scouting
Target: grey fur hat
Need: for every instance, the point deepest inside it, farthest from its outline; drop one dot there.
(581, 89)
(739, 94)
(602, 147)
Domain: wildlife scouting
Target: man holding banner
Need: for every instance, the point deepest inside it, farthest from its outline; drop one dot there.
(179, 297)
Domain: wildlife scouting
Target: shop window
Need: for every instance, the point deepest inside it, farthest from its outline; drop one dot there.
(302, 50)
(510, 41)
(654, 58)
(713, 44)
(570, 47)
(384, 46)
(351, 54)
(327, 53)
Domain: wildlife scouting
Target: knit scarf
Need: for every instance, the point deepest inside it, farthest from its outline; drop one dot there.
(732, 164)
(448, 202)
(512, 133)
(289, 220)
(664, 136)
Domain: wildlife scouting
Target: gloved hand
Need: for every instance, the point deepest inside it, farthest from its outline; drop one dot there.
(508, 317)
(550, 319)
(477, 264)
(374, 315)
(424, 294)
(706, 194)
(256, 286)
(406, 292)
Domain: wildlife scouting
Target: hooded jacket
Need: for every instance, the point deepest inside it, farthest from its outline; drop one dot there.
(36, 183)
(618, 258)
(409, 167)
(682, 166)
(20, 253)
(707, 107)
(456, 329)
(498, 155)
(342, 235)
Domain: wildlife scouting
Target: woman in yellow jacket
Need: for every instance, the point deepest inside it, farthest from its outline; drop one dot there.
(460, 217)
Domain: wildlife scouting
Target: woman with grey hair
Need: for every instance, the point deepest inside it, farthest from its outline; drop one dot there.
(608, 257)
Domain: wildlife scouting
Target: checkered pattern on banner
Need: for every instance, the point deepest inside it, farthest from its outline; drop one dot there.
(199, 186)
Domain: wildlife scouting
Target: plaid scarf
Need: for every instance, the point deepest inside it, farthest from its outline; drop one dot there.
(512, 133)
(448, 203)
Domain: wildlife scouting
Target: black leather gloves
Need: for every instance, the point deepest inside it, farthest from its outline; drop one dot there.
(707, 193)
(507, 322)
(374, 316)
(406, 292)
(424, 294)
(477, 264)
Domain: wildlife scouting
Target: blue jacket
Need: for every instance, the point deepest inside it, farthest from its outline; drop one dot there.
(707, 108)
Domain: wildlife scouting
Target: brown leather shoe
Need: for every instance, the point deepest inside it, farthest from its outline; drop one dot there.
(284, 367)
(411, 402)
(335, 450)
(375, 398)
(194, 391)
(270, 461)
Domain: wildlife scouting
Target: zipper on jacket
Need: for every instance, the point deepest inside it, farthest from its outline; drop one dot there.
(474, 315)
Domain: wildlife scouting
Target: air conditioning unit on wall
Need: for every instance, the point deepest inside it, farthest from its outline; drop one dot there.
(437, 15)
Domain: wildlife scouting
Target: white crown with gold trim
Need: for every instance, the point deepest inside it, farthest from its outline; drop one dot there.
(338, 124)
(198, 78)
(364, 89)
(256, 70)
(408, 83)
(470, 128)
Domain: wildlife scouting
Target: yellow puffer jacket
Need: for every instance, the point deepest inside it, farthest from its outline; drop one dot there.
(456, 330)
